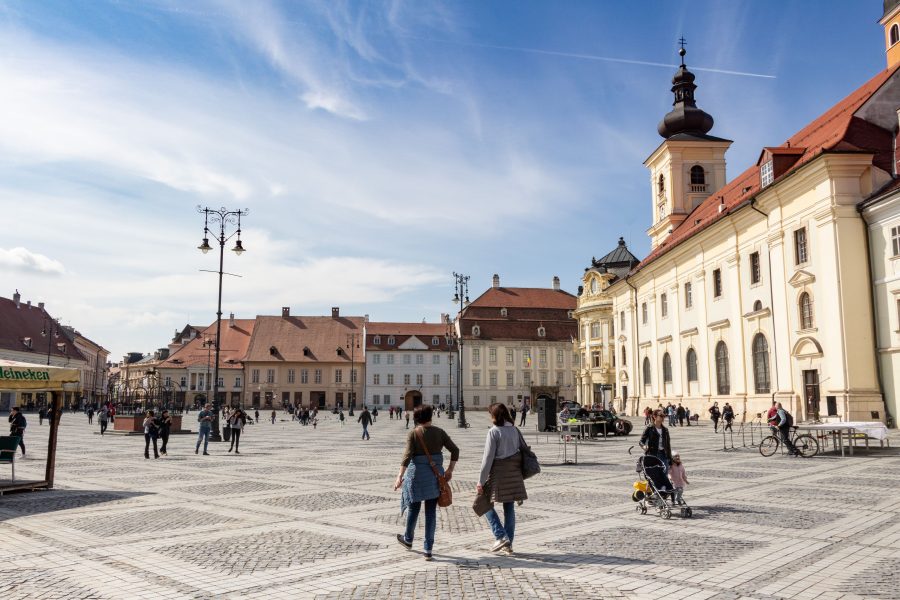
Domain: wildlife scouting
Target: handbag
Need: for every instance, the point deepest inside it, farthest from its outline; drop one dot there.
(445, 498)
(530, 464)
(482, 503)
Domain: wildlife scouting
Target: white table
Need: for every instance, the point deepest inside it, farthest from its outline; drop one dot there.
(872, 429)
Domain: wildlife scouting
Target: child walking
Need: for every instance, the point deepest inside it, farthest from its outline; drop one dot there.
(678, 477)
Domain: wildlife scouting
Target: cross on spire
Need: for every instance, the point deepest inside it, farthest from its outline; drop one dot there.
(682, 42)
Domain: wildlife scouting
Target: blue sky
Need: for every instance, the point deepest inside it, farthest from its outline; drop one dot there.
(378, 145)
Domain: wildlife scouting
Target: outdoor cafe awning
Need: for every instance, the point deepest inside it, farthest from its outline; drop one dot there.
(26, 376)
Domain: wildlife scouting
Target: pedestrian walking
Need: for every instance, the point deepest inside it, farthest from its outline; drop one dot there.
(236, 422)
(679, 412)
(715, 414)
(90, 415)
(399, 412)
(103, 417)
(501, 475)
(425, 446)
(274, 415)
(17, 425)
(512, 414)
(366, 419)
(407, 419)
(341, 416)
(727, 416)
(151, 433)
(256, 416)
(42, 414)
(687, 415)
(648, 416)
(204, 418)
(678, 477)
(655, 440)
(391, 412)
(374, 414)
(164, 422)
(524, 413)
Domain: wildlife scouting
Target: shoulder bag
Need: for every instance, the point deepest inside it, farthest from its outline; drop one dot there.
(445, 498)
(530, 464)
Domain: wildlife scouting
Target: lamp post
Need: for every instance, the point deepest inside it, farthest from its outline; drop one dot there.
(461, 297)
(223, 217)
(47, 332)
(451, 335)
(352, 344)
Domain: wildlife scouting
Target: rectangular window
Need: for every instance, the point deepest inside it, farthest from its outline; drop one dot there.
(406, 379)
(595, 330)
(509, 379)
(559, 358)
(595, 359)
(644, 313)
(435, 399)
(435, 359)
(200, 381)
(895, 240)
(304, 375)
(543, 378)
(419, 379)
(390, 359)
(390, 379)
(510, 359)
(542, 357)
(168, 381)
(526, 378)
(663, 305)
(387, 399)
(492, 378)
(183, 381)
(755, 274)
(717, 283)
(290, 375)
(420, 359)
(622, 320)
(766, 174)
(338, 375)
(476, 356)
(800, 247)
(476, 400)
(376, 399)
(376, 359)
(688, 295)
(407, 359)
(376, 379)
(560, 378)
(476, 378)
(526, 357)
(254, 375)
(436, 379)
(237, 382)
(270, 376)
(492, 356)
(317, 376)
(352, 375)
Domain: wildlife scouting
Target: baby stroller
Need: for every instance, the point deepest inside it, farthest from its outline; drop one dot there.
(654, 490)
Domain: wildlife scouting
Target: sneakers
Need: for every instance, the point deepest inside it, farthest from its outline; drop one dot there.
(428, 557)
(236, 452)
(230, 449)
(206, 454)
(500, 545)
(402, 540)
(196, 450)
(508, 551)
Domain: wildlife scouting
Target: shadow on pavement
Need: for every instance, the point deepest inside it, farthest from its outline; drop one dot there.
(46, 501)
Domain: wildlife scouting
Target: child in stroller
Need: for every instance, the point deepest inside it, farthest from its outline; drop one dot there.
(654, 490)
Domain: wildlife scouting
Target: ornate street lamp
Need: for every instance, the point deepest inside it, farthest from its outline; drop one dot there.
(461, 297)
(352, 345)
(223, 217)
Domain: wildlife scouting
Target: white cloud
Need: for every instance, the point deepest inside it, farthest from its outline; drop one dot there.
(22, 259)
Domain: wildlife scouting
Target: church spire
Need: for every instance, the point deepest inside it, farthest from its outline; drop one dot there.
(685, 117)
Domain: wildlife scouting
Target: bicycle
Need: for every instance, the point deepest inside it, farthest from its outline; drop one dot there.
(805, 444)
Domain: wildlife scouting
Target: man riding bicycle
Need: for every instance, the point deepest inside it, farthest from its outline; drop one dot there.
(783, 421)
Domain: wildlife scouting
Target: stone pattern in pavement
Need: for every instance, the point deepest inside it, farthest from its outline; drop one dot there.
(305, 513)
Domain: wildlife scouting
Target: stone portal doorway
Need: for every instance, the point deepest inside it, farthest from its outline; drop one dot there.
(412, 399)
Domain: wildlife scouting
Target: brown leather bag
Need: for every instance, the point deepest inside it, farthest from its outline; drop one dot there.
(445, 499)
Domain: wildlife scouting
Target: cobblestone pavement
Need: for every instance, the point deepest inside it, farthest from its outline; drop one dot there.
(304, 513)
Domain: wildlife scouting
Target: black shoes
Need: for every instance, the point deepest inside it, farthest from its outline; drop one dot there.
(402, 540)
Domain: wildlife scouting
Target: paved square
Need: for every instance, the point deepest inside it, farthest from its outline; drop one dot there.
(310, 513)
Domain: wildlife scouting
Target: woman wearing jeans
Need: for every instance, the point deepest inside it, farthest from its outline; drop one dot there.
(417, 479)
(501, 475)
(236, 422)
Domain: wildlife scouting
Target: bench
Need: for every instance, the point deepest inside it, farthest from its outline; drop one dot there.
(8, 446)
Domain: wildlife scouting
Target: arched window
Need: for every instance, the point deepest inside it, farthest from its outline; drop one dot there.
(542, 332)
(667, 368)
(503, 312)
(761, 364)
(435, 341)
(391, 341)
(757, 305)
(623, 356)
(895, 34)
(661, 185)
(476, 330)
(806, 311)
(377, 340)
(723, 382)
(698, 175)
(691, 363)
(646, 371)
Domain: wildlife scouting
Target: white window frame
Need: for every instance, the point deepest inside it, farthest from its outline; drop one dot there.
(766, 174)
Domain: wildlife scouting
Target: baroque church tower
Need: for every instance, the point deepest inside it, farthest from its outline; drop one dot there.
(689, 165)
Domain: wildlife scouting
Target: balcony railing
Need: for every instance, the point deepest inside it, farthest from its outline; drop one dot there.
(698, 187)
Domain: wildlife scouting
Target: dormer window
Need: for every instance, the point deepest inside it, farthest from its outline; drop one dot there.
(28, 343)
(476, 331)
(766, 174)
(542, 332)
(435, 341)
(377, 340)
(503, 312)
(391, 341)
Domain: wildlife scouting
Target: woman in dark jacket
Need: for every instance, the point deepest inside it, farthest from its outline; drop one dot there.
(236, 422)
(418, 480)
(715, 414)
(655, 440)
(501, 475)
(165, 427)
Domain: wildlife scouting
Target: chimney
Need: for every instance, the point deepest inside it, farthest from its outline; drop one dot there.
(496, 282)
(28, 304)
(41, 305)
(335, 312)
(231, 320)
(16, 298)
(556, 283)
(285, 312)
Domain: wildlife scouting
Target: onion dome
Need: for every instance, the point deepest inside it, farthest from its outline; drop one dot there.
(685, 117)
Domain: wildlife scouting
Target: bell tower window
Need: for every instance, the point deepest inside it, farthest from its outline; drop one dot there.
(698, 179)
(661, 186)
(894, 34)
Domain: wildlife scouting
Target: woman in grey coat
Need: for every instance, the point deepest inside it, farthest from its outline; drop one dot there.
(501, 475)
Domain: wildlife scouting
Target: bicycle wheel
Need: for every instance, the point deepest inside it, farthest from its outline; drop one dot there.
(769, 445)
(806, 445)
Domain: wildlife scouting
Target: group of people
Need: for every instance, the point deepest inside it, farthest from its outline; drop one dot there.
(500, 479)
(657, 442)
(726, 414)
(676, 415)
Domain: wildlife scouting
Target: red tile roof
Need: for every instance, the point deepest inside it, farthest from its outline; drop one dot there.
(514, 297)
(527, 310)
(837, 130)
(401, 332)
(290, 335)
(16, 324)
(232, 348)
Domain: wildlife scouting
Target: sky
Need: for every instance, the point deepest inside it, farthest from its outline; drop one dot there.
(378, 145)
